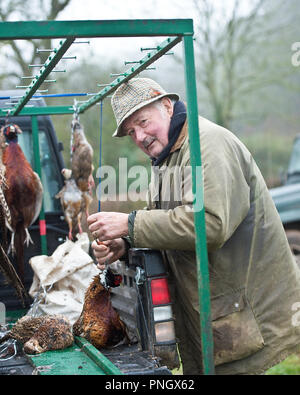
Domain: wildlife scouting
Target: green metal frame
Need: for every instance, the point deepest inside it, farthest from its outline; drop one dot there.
(176, 30)
(45, 70)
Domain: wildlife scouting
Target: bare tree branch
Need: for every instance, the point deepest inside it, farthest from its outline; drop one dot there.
(47, 11)
(227, 43)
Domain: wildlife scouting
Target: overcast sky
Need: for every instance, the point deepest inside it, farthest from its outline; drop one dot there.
(128, 49)
(125, 9)
(123, 49)
(119, 50)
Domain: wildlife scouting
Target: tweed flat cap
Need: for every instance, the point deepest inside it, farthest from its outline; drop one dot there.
(133, 95)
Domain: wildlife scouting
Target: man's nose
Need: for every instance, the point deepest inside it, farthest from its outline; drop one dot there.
(139, 135)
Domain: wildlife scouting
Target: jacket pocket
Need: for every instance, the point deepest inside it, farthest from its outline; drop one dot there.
(235, 330)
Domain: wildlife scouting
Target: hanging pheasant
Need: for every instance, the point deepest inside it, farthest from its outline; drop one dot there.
(6, 267)
(72, 202)
(82, 163)
(23, 194)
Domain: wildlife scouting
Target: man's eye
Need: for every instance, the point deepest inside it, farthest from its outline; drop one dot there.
(143, 121)
(130, 133)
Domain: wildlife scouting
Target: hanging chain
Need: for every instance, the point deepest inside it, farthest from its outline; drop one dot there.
(75, 117)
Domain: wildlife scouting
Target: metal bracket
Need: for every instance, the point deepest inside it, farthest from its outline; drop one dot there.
(140, 276)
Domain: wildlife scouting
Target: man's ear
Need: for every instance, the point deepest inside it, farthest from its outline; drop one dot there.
(167, 103)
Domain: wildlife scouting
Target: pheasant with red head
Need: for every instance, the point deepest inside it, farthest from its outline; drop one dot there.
(23, 193)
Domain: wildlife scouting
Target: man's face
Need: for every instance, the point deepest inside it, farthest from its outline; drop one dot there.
(149, 127)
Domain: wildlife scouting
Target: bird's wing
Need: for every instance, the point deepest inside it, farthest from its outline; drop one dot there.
(39, 197)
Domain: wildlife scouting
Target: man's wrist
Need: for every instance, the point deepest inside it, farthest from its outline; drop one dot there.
(127, 245)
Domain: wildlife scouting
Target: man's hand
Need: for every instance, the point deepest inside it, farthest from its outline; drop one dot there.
(109, 251)
(108, 225)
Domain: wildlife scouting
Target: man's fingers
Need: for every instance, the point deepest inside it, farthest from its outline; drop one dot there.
(102, 246)
(94, 226)
(91, 218)
(105, 259)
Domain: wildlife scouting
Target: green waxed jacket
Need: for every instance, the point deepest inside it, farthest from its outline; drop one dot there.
(254, 280)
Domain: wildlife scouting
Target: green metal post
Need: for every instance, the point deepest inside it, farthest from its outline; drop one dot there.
(199, 217)
(38, 170)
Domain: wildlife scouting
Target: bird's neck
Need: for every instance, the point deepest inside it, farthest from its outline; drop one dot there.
(14, 154)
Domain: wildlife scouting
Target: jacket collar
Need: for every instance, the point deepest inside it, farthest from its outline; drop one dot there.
(181, 138)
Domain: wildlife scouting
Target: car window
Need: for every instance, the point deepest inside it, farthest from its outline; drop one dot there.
(50, 170)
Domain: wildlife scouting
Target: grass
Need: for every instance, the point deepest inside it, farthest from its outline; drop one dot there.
(290, 366)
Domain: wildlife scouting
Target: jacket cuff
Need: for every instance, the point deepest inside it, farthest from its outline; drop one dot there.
(129, 239)
(125, 257)
(131, 219)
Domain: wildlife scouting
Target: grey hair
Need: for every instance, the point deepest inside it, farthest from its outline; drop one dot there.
(158, 104)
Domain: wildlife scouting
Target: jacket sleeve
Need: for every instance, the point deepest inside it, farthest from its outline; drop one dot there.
(226, 165)
(226, 201)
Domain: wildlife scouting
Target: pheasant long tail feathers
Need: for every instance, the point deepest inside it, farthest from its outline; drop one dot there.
(5, 207)
(11, 276)
(19, 240)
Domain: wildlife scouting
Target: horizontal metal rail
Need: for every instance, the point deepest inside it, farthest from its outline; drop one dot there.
(95, 28)
(49, 110)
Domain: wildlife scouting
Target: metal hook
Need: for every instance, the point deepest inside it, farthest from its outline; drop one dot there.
(7, 117)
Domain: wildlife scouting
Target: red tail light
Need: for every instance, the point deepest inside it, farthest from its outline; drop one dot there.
(160, 291)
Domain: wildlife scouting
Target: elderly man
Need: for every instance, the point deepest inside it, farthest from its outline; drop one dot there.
(254, 281)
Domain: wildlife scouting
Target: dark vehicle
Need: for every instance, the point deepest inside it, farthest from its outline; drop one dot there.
(287, 199)
(142, 300)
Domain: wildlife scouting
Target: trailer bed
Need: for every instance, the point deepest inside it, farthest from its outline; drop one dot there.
(82, 358)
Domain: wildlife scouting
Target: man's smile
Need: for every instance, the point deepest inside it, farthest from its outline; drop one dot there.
(149, 142)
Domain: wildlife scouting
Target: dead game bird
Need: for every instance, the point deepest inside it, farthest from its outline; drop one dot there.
(99, 323)
(23, 194)
(72, 203)
(40, 334)
(82, 162)
(6, 267)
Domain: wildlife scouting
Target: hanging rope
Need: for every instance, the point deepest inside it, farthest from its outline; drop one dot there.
(100, 153)
(75, 116)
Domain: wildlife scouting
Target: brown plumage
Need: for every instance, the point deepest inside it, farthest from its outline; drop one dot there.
(23, 194)
(6, 267)
(99, 323)
(40, 334)
(72, 203)
(82, 162)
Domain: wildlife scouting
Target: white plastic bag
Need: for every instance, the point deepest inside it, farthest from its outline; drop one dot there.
(60, 280)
